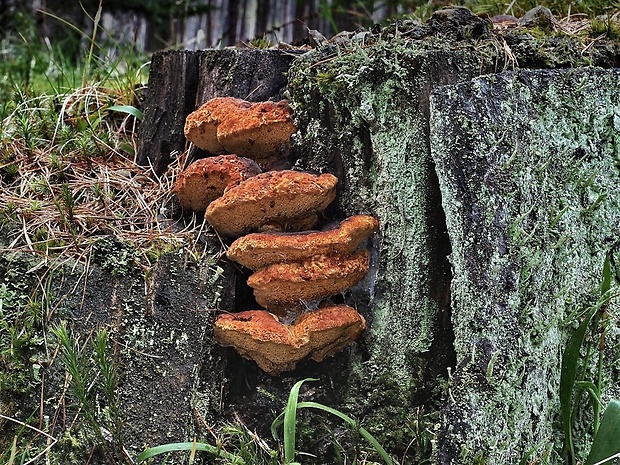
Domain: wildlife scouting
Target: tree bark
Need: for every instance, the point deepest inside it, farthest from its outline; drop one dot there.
(524, 162)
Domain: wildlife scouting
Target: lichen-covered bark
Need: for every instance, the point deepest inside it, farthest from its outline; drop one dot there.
(159, 326)
(171, 373)
(528, 165)
(363, 115)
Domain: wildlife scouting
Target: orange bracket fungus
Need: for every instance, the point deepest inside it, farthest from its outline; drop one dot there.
(201, 125)
(276, 347)
(261, 131)
(284, 286)
(208, 178)
(277, 200)
(291, 264)
(258, 250)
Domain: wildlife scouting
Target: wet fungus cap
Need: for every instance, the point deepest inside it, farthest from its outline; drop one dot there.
(272, 200)
(261, 131)
(258, 250)
(283, 286)
(208, 178)
(276, 347)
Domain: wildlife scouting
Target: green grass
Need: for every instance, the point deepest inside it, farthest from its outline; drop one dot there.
(606, 443)
(265, 455)
(68, 132)
(584, 350)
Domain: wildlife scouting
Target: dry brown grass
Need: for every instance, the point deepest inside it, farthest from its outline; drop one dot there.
(65, 183)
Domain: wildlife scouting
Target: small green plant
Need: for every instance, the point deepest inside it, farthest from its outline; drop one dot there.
(22, 346)
(94, 385)
(287, 419)
(18, 326)
(261, 42)
(606, 443)
(574, 379)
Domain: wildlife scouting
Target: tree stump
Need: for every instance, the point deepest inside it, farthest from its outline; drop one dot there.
(363, 109)
(528, 168)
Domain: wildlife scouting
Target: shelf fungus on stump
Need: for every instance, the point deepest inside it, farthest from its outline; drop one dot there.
(276, 200)
(290, 268)
(208, 178)
(261, 131)
(284, 286)
(276, 347)
(258, 250)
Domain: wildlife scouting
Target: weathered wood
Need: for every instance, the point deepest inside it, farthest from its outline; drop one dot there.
(367, 121)
(171, 96)
(168, 352)
(179, 82)
(160, 327)
(527, 164)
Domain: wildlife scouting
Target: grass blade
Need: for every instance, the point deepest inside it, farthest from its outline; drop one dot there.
(93, 41)
(606, 282)
(353, 424)
(606, 444)
(190, 446)
(571, 361)
(275, 425)
(129, 109)
(290, 421)
(13, 451)
(568, 376)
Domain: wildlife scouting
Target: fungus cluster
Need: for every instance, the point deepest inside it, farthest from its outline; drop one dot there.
(276, 347)
(208, 178)
(276, 200)
(293, 266)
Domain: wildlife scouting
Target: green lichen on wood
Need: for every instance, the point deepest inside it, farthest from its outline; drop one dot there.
(363, 113)
(537, 48)
(362, 108)
(367, 123)
(528, 165)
